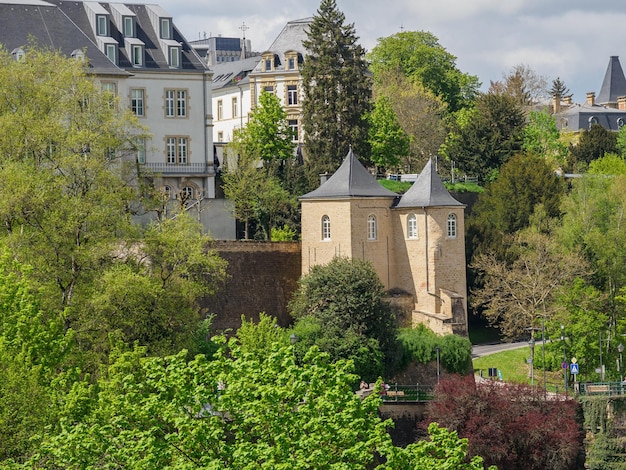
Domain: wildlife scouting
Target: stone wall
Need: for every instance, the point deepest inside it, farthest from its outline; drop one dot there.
(262, 278)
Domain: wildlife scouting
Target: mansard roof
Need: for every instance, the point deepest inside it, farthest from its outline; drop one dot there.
(428, 191)
(614, 84)
(289, 39)
(350, 180)
(64, 26)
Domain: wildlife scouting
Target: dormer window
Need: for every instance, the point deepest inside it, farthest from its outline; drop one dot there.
(166, 28)
(291, 63)
(111, 52)
(174, 53)
(137, 55)
(129, 27)
(268, 65)
(17, 53)
(102, 25)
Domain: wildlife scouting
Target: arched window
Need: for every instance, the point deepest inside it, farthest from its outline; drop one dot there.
(167, 191)
(620, 123)
(371, 227)
(592, 120)
(325, 228)
(411, 226)
(451, 226)
(186, 193)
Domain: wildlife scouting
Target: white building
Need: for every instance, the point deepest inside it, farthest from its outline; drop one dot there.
(136, 51)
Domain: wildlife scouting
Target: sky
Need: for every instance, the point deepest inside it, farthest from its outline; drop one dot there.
(572, 40)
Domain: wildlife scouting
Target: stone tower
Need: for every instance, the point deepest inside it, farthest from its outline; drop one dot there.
(415, 242)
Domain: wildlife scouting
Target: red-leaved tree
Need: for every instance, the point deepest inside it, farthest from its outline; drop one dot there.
(511, 426)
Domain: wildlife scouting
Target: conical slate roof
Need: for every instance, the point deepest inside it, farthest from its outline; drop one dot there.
(428, 191)
(614, 84)
(350, 180)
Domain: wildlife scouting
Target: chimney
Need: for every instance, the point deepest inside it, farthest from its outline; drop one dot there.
(556, 103)
(323, 178)
(568, 100)
(591, 98)
(621, 103)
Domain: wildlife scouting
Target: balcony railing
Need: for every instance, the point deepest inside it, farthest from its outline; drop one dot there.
(180, 169)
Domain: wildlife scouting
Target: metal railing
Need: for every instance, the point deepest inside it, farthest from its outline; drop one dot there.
(180, 169)
(602, 388)
(417, 392)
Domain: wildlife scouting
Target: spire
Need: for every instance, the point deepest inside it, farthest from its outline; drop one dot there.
(243, 28)
(428, 191)
(614, 84)
(350, 180)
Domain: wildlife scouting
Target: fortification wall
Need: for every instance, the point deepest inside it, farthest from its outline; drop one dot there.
(262, 278)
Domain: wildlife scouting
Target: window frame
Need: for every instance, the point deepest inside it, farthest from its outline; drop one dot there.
(174, 58)
(137, 52)
(292, 94)
(111, 48)
(140, 146)
(165, 25)
(177, 150)
(294, 125)
(220, 110)
(411, 227)
(102, 25)
(235, 106)
(138, 103)
(451, 226)
(129, 26)
(176, 103)
(325, 228)
(372, 228)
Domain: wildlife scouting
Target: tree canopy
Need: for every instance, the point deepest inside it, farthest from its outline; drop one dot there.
(418, 56)
(337, 92)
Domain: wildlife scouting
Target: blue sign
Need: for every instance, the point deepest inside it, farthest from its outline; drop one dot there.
(573, 368)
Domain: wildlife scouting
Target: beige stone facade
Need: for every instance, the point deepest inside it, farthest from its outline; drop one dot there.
(416, 245)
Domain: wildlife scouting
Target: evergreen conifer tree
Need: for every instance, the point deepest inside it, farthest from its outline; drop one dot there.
(337, 91)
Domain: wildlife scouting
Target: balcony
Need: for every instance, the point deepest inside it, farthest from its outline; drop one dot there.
(190, 169)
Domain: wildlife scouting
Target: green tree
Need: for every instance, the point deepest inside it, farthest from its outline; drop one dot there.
(267, 134)
(592, 144)
(519, 294)
(65, 193)
(485, 140)
(593, 224)
(559, 88)
(541, 137)
(388, 141)
(152, 298)
(420, 114)
(508, 203)
(418, 56)
(345, 300)
(337, 91)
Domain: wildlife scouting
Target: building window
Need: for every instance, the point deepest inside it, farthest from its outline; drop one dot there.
(137, 58)
(78, 54)
(176, 103)
(620, 123)
(220, 110)
(325, 228)
(268, 65)
(166, 28)
(109, 87)
(220, 136)
(140, 148)
(175, 57)
(235, 107)
(167, 192)
(292, 95)
(411, 226)
(137, 102)
(102, 25)
(592, 120)
(176, 149)
(291, 63)
(269, 88)
(372, 233)
(293, 124)
(451, 226)
(111, 52)
(129, 26)
(186, 194)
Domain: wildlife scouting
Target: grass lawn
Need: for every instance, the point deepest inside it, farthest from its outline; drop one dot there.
(514, 368)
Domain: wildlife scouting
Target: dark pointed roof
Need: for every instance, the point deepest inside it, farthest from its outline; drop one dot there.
(614, 84)
(350, 180)
(428, 191)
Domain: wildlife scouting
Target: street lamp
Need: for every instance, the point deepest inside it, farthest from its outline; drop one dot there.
(620, 348)
(438, 371)
(531, 343)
